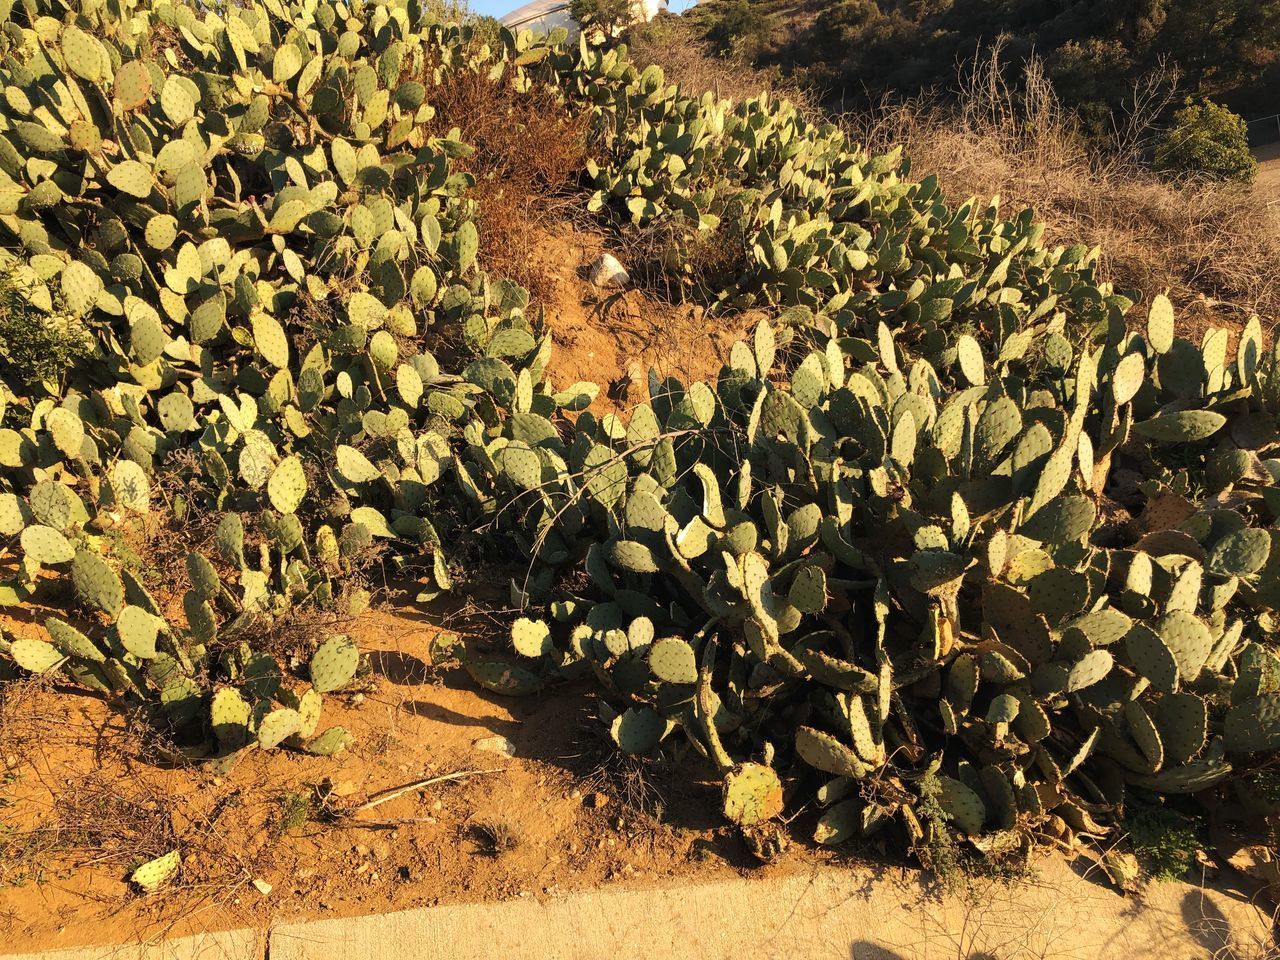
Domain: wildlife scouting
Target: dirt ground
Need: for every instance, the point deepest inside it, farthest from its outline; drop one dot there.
(1268, 183)
(82, 804)
(613, 337)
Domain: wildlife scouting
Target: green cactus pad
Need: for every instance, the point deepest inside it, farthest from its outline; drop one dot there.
(330, 743)
(1188, 639)
(808, 592)
(531, 638)
(72, 642)
(96, 582)
(1152, 657)
(154, 874)
(752, 794)
(1240, 553)
(508, 679)
(277, 726)
(1183, 722)
(672, 660)
(1253, 726)
(35, 656)
(45, 545)
(288, 485)
(632, 556)
(138, 629)
(229, 715)
(1187, 426)
(334, 663)
(962, 806)
(638, 730)
(824, 752)
(842, 821)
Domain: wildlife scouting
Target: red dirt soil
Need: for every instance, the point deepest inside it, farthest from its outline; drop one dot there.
(80, 806)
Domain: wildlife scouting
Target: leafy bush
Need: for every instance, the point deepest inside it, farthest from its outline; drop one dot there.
(1165, 841)
(608, 15)
(35, 345)
(1207, 140)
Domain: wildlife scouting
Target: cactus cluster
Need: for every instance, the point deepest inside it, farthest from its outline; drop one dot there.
(889, 561)
(249, 214)
(952, 527)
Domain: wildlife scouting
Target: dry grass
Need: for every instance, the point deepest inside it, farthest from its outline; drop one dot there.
(669, 42)
(1215, 249)
(529, 151)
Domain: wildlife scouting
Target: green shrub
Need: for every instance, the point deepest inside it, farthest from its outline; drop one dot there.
(37, 346)
(1207, 140)
(1165, 841)
(608, 15)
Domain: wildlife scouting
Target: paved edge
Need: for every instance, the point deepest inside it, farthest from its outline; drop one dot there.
(244, 944)
(853, 914)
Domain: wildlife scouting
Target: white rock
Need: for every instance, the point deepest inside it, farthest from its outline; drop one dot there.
(496, 745)
(262, 886)
(606, 271)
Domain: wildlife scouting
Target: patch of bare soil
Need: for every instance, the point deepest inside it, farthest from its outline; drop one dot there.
(82, 802)
(613, 337)
(1267, 186)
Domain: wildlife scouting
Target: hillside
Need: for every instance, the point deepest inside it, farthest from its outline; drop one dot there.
(864, 517)
(1096, 55)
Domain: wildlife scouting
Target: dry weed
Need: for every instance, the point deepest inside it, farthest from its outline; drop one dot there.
(1215, 249)
(529, 150)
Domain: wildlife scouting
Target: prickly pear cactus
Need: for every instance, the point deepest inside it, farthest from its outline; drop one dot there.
(255, 221)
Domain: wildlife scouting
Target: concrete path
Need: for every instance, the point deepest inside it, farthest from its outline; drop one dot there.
(827, 913)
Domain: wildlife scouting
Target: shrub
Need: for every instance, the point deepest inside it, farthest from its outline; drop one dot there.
(37, 346)
(609, 15)
(1207, 140)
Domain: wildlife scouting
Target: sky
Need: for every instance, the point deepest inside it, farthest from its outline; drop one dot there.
(498, 8)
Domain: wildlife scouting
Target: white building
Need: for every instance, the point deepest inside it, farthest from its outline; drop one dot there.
(543, 16)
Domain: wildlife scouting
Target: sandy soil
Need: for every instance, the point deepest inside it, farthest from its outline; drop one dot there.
(1268, 182)
(613, 337)
(83, 801)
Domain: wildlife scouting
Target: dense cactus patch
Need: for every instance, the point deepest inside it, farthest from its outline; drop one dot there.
(960, 528)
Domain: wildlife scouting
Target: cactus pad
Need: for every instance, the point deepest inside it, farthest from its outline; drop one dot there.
(96, 582)
(334, 663)
(638, 730)
(531, 638)
(672, 660)
(752, 794)
(154, 874)
(277, 726)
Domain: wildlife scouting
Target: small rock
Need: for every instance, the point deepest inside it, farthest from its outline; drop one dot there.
(438, 806)
(598, 801)
(261, 886)
(496, 745)
(606, 271)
